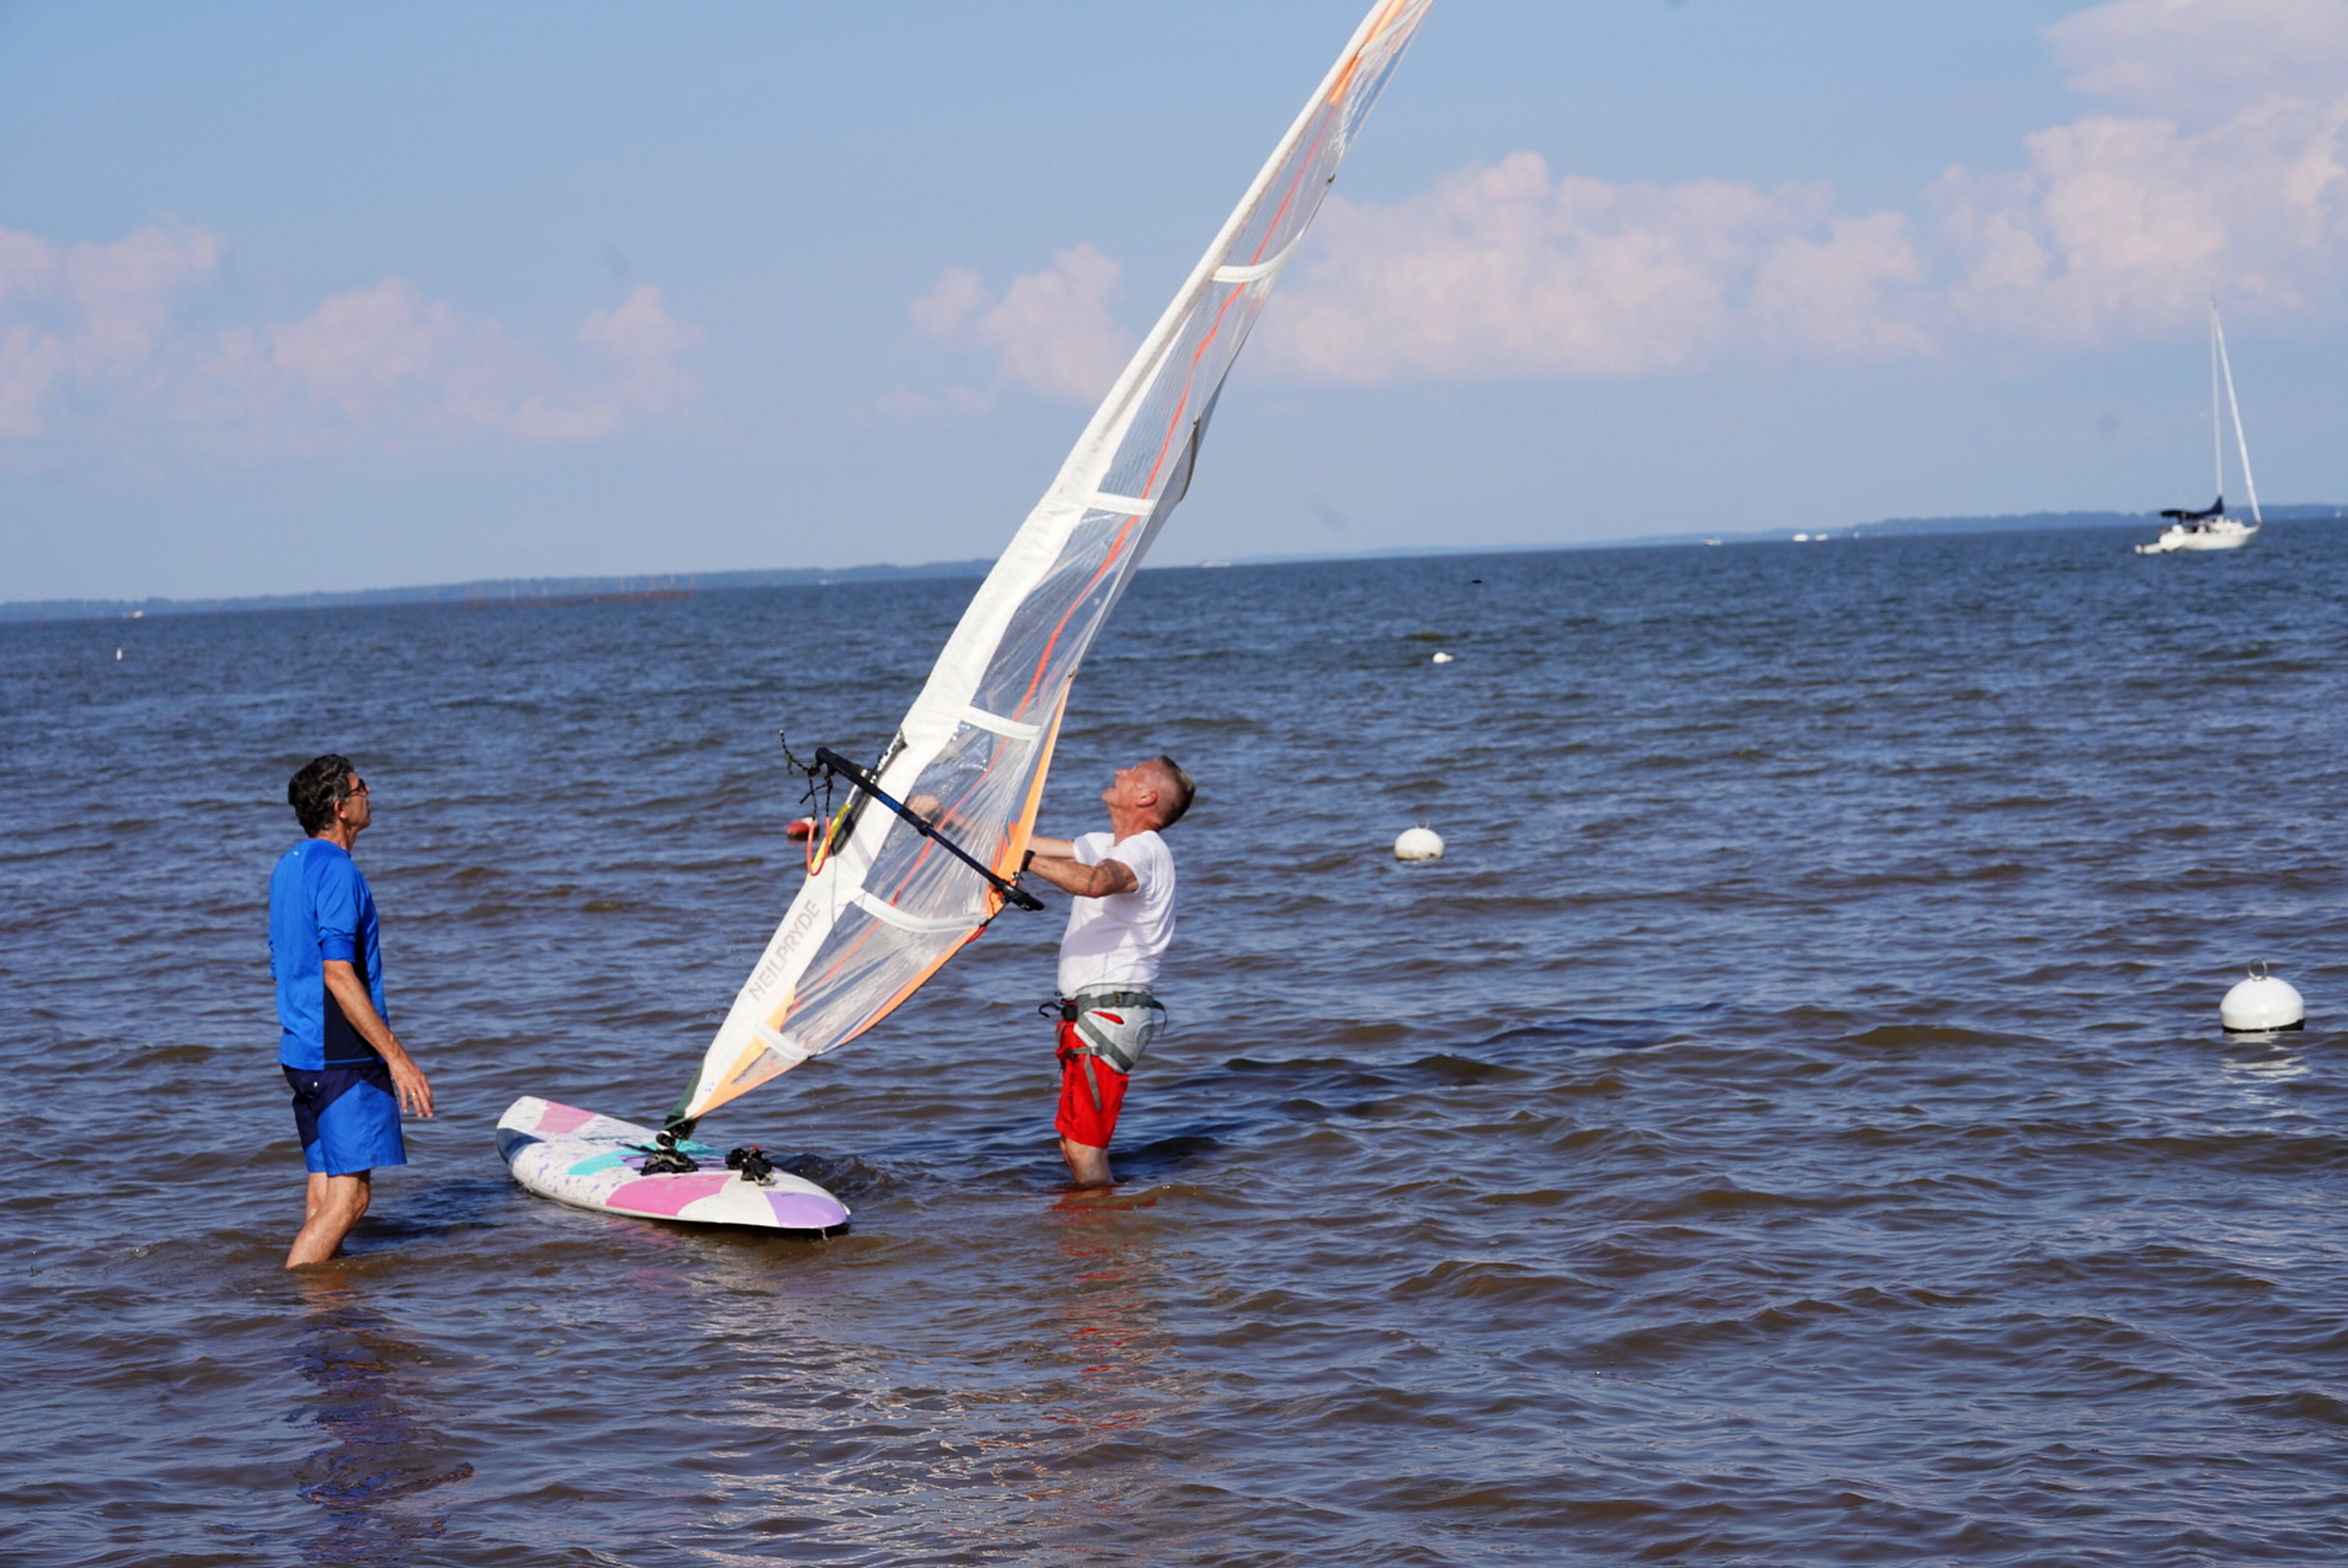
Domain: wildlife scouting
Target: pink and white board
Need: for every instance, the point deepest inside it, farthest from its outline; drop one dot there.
(594, 1161)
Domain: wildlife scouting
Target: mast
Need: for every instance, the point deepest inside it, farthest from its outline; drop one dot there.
(896, 892)
(2218, 340)
(2217, 419)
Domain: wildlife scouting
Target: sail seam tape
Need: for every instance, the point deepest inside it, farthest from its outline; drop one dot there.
(782, 1045)
(996, 723)
(888, 914)
(1123, 506)
(1261, 269)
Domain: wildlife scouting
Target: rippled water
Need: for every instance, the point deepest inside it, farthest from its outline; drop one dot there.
(1790, 1126)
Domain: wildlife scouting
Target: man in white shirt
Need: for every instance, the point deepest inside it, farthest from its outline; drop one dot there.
(1118, 932)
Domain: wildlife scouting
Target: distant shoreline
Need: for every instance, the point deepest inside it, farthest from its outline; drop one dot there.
(487, 593)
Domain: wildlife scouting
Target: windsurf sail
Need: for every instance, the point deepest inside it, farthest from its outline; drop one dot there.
(889, 904)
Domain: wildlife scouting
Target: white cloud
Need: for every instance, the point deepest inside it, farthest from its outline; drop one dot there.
(123, 296)
(92, 342)
(358, 347)
(2187, 57)
(1501, 272)
(30, 364)
(2116, 227)
(85, 316)
(1051, 333)
(2223, 173)
(1826, 297)
(2121, 227)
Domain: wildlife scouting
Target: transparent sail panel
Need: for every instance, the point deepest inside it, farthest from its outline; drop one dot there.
(1053, 625)
(891, 905)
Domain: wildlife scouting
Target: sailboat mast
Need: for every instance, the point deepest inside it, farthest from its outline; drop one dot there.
(2217, 419)
(2233, 405)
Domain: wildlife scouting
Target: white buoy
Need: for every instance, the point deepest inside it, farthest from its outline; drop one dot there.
(1419, 844)
(2261, 1004)
(117, 656)
(1440, 658)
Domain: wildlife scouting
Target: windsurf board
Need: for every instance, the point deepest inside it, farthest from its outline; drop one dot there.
(595, 1162)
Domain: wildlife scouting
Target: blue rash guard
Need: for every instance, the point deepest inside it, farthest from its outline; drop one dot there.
(320, 909)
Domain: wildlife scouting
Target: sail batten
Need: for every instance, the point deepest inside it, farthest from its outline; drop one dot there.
(884, 909)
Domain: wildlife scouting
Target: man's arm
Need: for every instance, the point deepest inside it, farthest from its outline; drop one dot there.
(1100, 880)
(342, 982)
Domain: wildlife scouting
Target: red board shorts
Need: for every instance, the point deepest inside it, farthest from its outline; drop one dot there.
(1081, 1118)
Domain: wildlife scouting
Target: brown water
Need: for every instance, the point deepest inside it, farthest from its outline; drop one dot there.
(1789, 1127)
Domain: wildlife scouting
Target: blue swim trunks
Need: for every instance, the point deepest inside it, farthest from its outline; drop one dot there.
(348, 1117)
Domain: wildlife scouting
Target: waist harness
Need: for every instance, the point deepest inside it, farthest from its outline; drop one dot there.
(1111, 1026)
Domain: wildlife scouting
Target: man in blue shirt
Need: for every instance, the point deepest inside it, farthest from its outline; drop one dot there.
(351, 1077)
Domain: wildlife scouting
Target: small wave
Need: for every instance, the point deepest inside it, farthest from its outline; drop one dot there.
(1919, 1038)
(1496, 1284)
(2303, 1404)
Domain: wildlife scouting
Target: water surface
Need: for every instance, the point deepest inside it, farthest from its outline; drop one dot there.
(1790, 1126)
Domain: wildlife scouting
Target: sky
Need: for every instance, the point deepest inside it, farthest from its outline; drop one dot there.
(304, 298)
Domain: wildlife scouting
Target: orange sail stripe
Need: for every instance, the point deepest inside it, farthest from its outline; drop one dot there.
(1378, 29)
(727, 1088)
(916, 983)
(1023, 829)
(1115, 548)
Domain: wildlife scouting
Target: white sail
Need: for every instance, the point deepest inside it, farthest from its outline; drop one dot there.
(2211, 528)
(889, 907)
(2221, 361)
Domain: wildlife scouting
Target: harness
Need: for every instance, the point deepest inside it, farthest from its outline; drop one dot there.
(1111, 1026)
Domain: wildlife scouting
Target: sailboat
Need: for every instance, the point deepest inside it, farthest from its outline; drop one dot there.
(2210, 528)
(927, 848)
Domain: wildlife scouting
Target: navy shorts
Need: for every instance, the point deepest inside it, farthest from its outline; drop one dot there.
(348, 1116)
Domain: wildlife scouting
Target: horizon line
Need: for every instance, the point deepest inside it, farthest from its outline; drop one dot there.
(488, 592)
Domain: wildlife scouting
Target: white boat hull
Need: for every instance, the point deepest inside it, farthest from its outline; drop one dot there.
(2219, 534)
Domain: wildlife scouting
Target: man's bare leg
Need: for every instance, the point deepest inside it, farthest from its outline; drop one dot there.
(332, 1205)
(1087, 1164)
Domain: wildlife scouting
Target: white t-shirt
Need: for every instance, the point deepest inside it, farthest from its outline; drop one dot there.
(1118, 940)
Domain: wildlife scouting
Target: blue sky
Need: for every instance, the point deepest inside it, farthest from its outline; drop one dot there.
(296, 297)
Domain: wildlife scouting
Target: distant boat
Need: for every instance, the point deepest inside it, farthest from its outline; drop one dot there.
(2211, 528)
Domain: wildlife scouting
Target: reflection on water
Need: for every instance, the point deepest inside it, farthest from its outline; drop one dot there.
(376, 1477)
(1113, 1389)
(1112, 1317)
(2261, 1075)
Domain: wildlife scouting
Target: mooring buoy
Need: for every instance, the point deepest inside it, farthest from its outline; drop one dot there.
(2261, 1004)
(1419, 844)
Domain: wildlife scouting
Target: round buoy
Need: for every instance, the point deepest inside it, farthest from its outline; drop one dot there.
(1419, 844)
(2261, 1004)
(1440, 658)
(801, 830)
